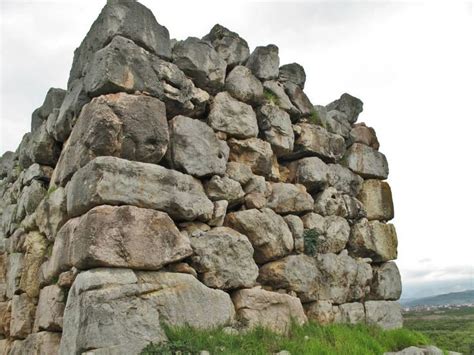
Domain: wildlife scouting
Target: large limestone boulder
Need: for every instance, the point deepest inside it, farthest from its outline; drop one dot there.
(297, 229)
(7, 163)
(244, 86)
(297, 273)
(109, 297)
(129, 19)
(60, 122)
(289, 198)
(125, 236)
(275, 311)
(29, 199)
(50, 309)
(343, 279)
(364, 135)
(344, 180)
(14, 268)
(351, 313)
(376, 196)
(293, 73)
(114, 181)
(385, 314)
(122, 66)
(232, 117)
(299, 100)
(277, 129)
(264, 62)
(323, 312)
(22, 316)
(386, 284)
(224, 259)
(131, 306)
(275, 94)
(255, 153)
(316, 141)
(224, 188)
(195, 149)
(334, 121)
(200, 61)
(366, 161)
(35, 246)
(267, 231)
(42, 343)
(38, 147)
(53, 101)
(331, 233)
(311, 172)
(331, 202)
(51, 213)
(229, 45)
(373, 239)
(132, 127)
(349, 105)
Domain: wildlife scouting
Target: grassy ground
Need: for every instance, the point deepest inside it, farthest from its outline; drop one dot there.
(308, 339)
(448, 329)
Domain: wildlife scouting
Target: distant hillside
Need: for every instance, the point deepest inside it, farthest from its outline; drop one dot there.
(448, 298)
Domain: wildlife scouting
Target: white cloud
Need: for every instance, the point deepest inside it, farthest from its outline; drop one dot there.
(411, 64)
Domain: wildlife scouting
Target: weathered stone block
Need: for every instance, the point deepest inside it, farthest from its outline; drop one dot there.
(365, 161)
(316, 141)
(224, 259)
(50, 309)
(385, 314)
(132, 127)
(124, 236)
(114, 181)
(275, 311)
(195, 148)
(376, 196)
(267, 231)
(373, 239)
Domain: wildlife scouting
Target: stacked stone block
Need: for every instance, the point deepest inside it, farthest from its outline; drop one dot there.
(188, 182)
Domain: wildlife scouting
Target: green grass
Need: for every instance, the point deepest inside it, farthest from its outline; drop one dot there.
(311, 241)
(310, 338)
(315, 119)
(270, 97)
(449, 329)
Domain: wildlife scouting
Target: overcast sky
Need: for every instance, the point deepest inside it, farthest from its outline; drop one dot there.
(411, 64)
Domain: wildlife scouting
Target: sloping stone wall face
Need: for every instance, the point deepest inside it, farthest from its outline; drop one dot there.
(189, 182)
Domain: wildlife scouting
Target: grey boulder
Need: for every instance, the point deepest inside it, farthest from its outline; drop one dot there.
(267, 231)
(129, 19)
(114, 181)
(232, 117)
(200, 61)
(264, 62)
(244, 86)
(293, 73)
(288, 198)
(132, 127)
(224, 259)
(195, 149)
(230, 46)
(349, 105)
(373, 239)
(316, 141)
(275, 124)
(366, 161)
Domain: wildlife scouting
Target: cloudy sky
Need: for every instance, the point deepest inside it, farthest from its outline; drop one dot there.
(411, 63)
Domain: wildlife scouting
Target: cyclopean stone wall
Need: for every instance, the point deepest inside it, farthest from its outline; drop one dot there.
(188, 182)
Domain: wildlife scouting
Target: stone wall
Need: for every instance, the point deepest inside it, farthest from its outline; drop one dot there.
(188, 182)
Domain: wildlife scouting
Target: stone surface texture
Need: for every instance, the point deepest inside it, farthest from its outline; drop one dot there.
(189, 182)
